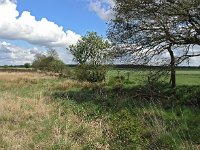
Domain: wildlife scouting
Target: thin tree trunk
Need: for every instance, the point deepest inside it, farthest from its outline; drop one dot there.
(172, 67)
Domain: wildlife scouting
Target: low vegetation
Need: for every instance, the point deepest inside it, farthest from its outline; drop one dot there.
(95, 107)
(50, 63)
(42, 112)
(90, 52)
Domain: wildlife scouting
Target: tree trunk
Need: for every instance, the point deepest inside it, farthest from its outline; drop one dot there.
(172, 67)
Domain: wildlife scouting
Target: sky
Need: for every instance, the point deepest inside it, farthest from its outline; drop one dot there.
(30, 27)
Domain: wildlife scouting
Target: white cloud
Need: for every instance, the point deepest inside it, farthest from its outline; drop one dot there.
(14, 26)
(194, 61)
(103, 8)
(15, 55)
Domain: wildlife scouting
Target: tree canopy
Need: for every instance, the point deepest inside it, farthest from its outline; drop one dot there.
(151, 29)
(49, 62)
(90, 49)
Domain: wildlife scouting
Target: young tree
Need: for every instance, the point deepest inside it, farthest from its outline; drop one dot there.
(148, 29)
(90, 49)
(27, 65)
(90, 53)
(40, 62)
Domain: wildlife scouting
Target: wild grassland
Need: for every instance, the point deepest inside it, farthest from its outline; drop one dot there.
(30, 120)
(42, 112)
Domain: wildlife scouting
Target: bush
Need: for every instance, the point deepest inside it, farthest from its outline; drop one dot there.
(56, 66)
(27, 65)
(90, 73)
(5, 66)
(49, 63)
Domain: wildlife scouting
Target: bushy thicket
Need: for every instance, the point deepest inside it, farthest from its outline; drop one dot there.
(90, 52)
(27, 65)
(90, 73)
(50, 63)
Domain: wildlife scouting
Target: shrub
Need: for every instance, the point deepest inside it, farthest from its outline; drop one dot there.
(27, 65)
(90, 73)
(5, 66)
(49, 63)
(57, 66)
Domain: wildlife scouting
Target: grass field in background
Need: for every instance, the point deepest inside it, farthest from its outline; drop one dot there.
(183, 77)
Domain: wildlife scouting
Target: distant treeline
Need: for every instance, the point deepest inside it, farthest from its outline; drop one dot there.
(118, 66)
(17, 69)
(129, 66)
(12, 66)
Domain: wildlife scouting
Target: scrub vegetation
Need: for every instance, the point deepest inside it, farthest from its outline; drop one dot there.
(44, 112)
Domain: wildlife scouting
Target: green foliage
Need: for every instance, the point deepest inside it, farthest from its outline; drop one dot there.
(163, 142)
(50, 63)
(117, 79)
(90, 49)
(41, 62)
(191, 96)
(5, 66)
(144, 34)
(27, 65)
(90, 53)
(57, 66)
(90, 73)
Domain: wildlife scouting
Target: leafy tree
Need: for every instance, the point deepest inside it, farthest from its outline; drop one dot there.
(90, 49)
(40, 62)
(57, 66)
(145, 30)
(50, 62)
(27, 65)
(90, 53)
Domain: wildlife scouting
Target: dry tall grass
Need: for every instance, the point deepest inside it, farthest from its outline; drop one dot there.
(38, 123)
(19, 118)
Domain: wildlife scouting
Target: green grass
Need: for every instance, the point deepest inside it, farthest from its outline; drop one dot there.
(184, 77)
(41, 112)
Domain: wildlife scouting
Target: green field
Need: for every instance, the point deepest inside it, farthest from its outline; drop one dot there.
(38, 111)
(184, 77)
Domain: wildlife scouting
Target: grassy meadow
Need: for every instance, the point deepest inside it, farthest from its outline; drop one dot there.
(183, 76)
(38, 111)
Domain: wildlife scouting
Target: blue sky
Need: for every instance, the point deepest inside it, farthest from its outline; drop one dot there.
(74, 15)
(30, 27)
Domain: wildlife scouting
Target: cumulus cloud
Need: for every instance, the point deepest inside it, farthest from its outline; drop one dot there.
(103, 8)
(15, 55)
(25, 27)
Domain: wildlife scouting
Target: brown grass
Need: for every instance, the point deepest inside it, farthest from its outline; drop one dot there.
(39, 123)
(18, 116)
(68, 84)
(14, 76)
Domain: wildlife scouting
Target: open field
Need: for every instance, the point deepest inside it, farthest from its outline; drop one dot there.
(184, 77)
(42, 112)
